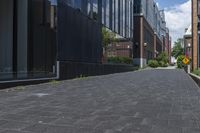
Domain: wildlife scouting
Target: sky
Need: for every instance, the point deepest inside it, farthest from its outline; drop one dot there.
(178, 16)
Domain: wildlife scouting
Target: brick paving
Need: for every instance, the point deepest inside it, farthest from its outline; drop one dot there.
(149, 101)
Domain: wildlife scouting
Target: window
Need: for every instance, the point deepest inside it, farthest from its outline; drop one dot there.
(28, 50)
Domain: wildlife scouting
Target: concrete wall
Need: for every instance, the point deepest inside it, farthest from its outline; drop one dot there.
(195, 78)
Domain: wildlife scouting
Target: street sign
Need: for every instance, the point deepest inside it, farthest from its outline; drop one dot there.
(186, 61)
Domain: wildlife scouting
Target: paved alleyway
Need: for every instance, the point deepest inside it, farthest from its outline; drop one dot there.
(149, 101)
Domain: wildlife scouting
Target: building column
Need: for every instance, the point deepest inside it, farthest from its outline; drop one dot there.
(100, 11)
(138, 50)
(6, 38)
(155, 41)
(22, 37)
(194, 35)
(142, 64)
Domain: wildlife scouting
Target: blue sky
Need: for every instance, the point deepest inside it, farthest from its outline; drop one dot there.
(169, 3)
(177, 15)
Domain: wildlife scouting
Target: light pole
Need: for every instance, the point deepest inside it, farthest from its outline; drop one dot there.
(189, 57)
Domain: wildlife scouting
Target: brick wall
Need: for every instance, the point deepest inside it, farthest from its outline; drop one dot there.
(194, 35)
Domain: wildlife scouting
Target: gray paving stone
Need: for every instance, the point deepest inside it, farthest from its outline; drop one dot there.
(149, 101)
(13, 131)
(14, 125)
(191, 130)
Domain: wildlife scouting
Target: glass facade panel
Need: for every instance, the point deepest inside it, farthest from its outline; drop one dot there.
(6, 38)
(42, 31)
(28, 50)
(154, 16)
(28, 32)
(117, 15)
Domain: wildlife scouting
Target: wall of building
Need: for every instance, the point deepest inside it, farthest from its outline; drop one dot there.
(121, 48)
(154, 16)
(194, 35)
(158, 45)
(150, 30)
(137, 37)
(22, 39)
(188, 50)
(27, 39)
(148, 34)
(6, 38)
(117, 15)
(79, 37)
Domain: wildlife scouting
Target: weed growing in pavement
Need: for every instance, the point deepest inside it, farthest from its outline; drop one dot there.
(19, 88)
(54, 82)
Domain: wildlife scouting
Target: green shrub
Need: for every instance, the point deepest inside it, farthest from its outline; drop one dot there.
(120, 60)
(180, 61)
(127, 60)
(162, 59)
(162, 64)
(196, 72)
(153, 63)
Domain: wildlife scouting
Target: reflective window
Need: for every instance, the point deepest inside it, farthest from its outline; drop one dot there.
(6, 38)
(27, 38)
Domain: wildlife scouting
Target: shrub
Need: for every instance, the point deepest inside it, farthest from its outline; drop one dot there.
(153, 63)
(120, 60)
(162, 64)
(197, 72)
(162, 59)
(180, 61)
(127, 60)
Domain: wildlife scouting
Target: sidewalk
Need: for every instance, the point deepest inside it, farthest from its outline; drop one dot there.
(150, 101)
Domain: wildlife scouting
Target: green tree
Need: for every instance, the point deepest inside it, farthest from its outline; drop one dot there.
(163, 59)
(108, 37)
(177, 49)
(180, 61)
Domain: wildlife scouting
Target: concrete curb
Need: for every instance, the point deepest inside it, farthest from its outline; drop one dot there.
(195, 78)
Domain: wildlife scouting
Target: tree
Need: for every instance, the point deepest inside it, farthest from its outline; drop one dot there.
(108, 37)
(162, 59)
(177, 49)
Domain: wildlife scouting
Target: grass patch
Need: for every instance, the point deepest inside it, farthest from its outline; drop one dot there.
(54, 82)
(20, 88)
(196, 72)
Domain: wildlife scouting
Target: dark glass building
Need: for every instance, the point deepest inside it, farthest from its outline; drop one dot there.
(195, 34)
(28, 38)
(39, 37)
(117, 15)
(150, 28)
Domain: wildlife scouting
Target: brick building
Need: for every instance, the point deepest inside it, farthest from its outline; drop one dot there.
(150, 31)
(122, 48)
(188, 42)
(195, 33)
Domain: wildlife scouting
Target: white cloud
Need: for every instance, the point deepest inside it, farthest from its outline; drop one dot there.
(178, 18)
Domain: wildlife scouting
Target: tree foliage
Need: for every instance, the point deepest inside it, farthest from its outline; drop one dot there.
(163, 57)
(153, 63)
(160, 61)
(177, 49)
(180, 61)
(108, 37)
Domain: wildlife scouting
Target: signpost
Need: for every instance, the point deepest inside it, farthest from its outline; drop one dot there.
(186, 61)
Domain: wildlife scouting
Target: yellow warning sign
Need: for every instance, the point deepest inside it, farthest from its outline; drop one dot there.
(186, 61)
